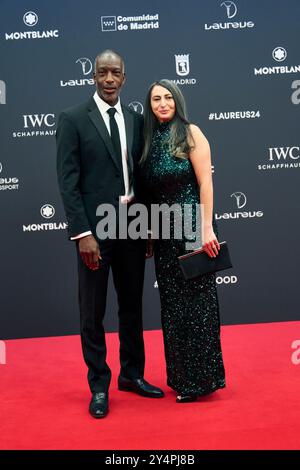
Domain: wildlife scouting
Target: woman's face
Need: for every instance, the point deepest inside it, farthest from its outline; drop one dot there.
(162, 103)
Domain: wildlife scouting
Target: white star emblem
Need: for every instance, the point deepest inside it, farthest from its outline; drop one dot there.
(47, 211)
(279, 54)
(30, 18)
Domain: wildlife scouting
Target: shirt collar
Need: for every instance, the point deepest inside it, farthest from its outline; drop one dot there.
(104, 107)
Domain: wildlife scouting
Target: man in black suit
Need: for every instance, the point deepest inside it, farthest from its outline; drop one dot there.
(99, 144)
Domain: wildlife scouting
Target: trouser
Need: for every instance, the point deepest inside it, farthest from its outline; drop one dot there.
(126, 258)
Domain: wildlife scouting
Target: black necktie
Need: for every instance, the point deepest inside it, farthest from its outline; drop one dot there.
(115, 136)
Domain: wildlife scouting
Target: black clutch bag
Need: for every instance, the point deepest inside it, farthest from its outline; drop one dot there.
(198, 262)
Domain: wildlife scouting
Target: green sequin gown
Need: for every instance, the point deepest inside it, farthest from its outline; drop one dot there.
(189, 309)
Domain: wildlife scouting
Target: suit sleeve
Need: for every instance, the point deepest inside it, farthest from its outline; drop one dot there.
(141, 193)
(68, 173)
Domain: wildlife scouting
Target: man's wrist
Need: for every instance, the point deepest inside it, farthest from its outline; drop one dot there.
(81, 235)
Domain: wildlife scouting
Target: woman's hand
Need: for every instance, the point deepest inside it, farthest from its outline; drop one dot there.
(210, 243)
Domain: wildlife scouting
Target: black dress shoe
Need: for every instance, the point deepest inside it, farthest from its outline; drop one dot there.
(99, 405)
(186, 398)
(139, 386)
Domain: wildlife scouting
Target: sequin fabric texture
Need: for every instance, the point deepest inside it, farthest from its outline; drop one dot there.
(189, 309)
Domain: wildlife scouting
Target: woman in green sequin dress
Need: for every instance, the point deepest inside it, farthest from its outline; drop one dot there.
(176, 169)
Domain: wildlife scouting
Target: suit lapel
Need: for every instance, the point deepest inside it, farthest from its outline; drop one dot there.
(97, 120)
(128, 119)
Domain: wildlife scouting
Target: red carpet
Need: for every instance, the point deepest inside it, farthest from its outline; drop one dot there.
(44, 397)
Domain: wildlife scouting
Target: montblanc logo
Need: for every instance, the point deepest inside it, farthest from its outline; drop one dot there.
(136, 106)
(182, 64)
(30, 19)
(85, 68)
(295, 96)
(279, 54)
(129, 23)
(8, 183)
(47, 211)
(36, 125)
(240, 200)
(282, 158)
(2, 92)
(231, 10)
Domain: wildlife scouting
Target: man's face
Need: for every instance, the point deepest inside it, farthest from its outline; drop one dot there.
(109, 77)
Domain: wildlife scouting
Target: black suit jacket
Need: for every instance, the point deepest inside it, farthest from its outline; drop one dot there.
(88, 171)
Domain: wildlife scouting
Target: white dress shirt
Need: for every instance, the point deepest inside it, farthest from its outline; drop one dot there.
(103, 108)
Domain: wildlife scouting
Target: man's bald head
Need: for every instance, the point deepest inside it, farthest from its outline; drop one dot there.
(109, 54)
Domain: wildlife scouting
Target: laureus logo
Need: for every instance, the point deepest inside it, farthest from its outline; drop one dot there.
(136, 106)
(240, 201)
(231, 9)
(8, 182)
(86, 68)
(86, 65)
(240, 198)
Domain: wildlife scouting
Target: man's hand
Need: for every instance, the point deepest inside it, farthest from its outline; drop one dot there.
(90, 252)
